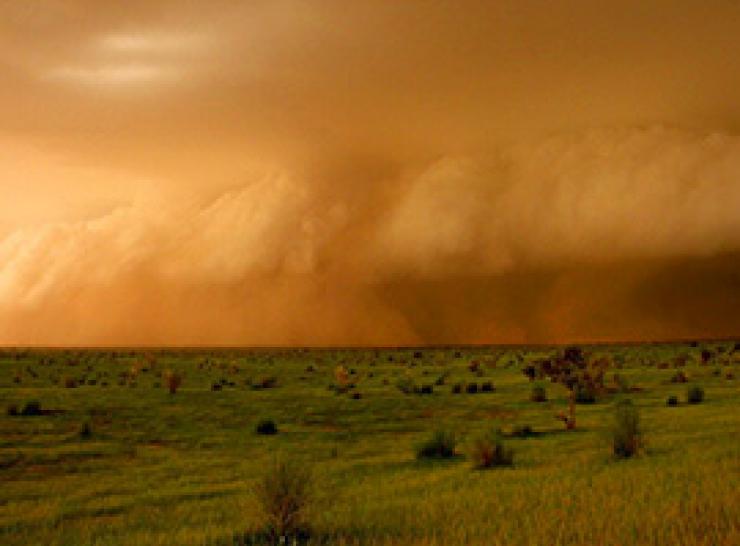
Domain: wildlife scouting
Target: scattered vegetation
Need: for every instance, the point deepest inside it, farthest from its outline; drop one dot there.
(64, 456)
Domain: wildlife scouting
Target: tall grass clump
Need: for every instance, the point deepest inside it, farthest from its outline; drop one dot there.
(440, 445)
(284, 496)
(626, 434)
(489, 451)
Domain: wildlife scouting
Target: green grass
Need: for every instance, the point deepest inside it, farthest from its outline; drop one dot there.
(180, 469)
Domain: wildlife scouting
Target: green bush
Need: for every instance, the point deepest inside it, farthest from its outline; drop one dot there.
(672, 401)
(585, 395)
(522, 431)
(440, 445)
(284, 496)
(626, 434)
(31, 408)
(539, 394)
(695, 395)
(85, 430)
(489, 451)
(266, 427)
(405, 385)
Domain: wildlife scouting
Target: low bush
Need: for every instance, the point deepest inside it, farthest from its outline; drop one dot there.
(266, 427)
(426, 389)
(405, 385)
(539, 394)
(679, 377)
(86, 430)
(440, 445)
(626, 434)
(457, 388)
(284, 495)
(471, 388)
(695, 395)
(486, 386)
(269, 382)
(522, 431)
(489, 451)
(12, 410)
(31, 409)
(70, 382)
(672, 401)
(585, 395)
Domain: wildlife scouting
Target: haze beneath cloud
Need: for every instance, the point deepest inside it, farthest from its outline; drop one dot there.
(333, 173)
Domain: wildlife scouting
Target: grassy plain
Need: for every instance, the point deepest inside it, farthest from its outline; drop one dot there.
(179, 469)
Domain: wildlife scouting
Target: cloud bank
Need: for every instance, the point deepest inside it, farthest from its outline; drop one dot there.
(284, 260)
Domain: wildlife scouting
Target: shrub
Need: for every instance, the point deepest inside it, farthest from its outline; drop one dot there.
(12, 410)
(173, 381)
(85, 430)
(441, 379)
(672, 401)
(405, 385)
(695, 395)
(457, 388)
(585, 395)
(266, 427)
(539, 394)
(31, 408)
(70, 382)
(489, 451)
(284, 495)
(626, 435)
(621, 383)
(426, 389)
(268, 382)
(440, 445)
(471, 388)
(486, 386)
(679, 377)
(522, 431)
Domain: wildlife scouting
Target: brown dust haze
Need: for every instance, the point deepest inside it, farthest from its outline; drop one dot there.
(368, 172)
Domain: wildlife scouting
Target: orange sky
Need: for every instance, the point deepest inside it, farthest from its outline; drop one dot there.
(380, 172)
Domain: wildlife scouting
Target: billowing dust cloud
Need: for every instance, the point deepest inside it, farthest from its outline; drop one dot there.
(280, 173)
(564, 238)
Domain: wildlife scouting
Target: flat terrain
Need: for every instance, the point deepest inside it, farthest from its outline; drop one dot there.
(178, 469)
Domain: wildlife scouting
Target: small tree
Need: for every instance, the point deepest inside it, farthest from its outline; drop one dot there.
(575, 372)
